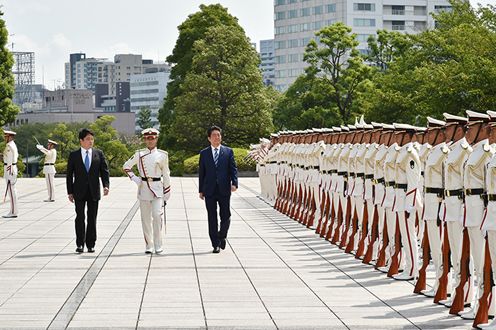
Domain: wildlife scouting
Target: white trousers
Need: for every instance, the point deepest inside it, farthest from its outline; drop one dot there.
(151, 221)
(409, 242)
(11, 194)
(455, 237)
(49, 178)
(391, 231)
(435, 234)
(477, 248)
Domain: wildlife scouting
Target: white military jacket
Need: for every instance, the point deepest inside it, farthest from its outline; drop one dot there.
(10, 156)
(390, 175)
(152, 166)
(474, 178)
(433, 178)
(489, 220)
(50, 158)
(453, 179)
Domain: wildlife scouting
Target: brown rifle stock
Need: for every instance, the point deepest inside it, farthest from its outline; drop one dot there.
(395, 262)
(483, 310)
(442, 290)
(459, 300)
(364, 232)
(381, 256)
(426, 257)
(374, 236)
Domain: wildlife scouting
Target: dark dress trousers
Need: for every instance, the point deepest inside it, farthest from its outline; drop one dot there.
(215, 184)
(85, 187)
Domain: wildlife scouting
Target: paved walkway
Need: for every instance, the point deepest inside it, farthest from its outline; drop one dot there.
(273, 274)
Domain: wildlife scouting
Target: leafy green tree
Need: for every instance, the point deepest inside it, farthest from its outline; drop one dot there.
(337, 62)
(386, 47)
(67, 140)
(8, 110)
(192, 29)
(145, 118)
(107, 139)
(306, 104)
(224, 87)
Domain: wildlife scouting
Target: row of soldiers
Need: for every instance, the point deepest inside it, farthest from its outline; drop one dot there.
(398, 197)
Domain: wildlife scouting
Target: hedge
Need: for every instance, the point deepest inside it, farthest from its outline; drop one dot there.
(243, 163)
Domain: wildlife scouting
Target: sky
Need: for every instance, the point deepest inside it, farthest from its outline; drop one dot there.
(102, 28)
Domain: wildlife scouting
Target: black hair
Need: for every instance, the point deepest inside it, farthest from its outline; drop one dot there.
(85, 132)
(214, 128)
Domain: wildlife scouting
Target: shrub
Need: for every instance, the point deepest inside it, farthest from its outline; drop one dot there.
(191, 163)
(61, 167)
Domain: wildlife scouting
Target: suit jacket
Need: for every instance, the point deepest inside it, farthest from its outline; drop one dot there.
(224, 175)
(79, 181)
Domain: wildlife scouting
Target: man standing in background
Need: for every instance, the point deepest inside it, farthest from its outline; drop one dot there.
(49, 167)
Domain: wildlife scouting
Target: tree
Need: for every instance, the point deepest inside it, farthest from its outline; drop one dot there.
(107, 139)
(386, 47)
(145, 118)
(448, 69)
(306, 104)
(8, 110)
(224, 87)
(192, 29)
(337, 62)
(66, 138)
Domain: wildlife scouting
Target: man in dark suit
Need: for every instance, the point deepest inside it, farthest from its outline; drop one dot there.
(84, 168)
(218, 177)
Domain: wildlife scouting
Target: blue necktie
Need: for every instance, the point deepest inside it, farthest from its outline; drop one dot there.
(216, 156)
(87, 162)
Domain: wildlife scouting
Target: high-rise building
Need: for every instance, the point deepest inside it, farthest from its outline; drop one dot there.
(73, 59)
(267, 61)
(148, 90)
(296, 21)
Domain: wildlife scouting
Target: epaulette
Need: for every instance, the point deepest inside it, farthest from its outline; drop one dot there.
(397, 148)
(445, 149)
(410, 149)
(162, 151)
(465, 145)
(487, 147)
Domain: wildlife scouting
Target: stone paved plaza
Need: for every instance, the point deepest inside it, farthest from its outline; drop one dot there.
(273, 274)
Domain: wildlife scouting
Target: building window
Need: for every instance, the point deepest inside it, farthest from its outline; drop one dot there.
(317, 25)
(280, 2)
(363, 37)
(363, 22)
(438, 9)
(364, 7)
(293, 43)
(280, 15)
(364, 52)
(398, 25)
(419, 10)
(281, 73)
(292, 1)
(294, 28)
(305, 12)
(280, 44)
(318, 10)
(280, 30)
(293, 13)
(280, 59)
(293, 58)
(331, 8)
(305, 27)
(304, 42)
(398, 10)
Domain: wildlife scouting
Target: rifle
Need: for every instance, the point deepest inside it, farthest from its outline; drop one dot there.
(364, 233)
(330, 215)
(374, 236)
(482, 311)
(395, 262)
(426, 256)
(442, 290)
(354, 229)
(381, 256)
(346, 222)
(459, 300)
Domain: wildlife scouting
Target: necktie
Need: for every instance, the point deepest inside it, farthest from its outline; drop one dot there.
(216, 156)
(87, 161)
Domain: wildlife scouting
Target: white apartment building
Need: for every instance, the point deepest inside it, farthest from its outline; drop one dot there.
(149, 90)
(296, 21)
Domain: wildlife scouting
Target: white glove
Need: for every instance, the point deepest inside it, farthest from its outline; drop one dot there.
(39, 146)
(136, 179)
(410, 209)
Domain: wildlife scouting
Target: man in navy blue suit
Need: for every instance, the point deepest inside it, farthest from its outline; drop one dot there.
(218, 177)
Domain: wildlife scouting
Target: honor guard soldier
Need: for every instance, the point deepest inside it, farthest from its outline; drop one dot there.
(474, 183)
(434, 192)
(49, 167)
(10, 156)
(153, 187)
(489, 222)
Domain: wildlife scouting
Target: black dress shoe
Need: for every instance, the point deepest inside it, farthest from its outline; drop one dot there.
(223, 244)
(79, 249)
(91, 250)
(216, 249)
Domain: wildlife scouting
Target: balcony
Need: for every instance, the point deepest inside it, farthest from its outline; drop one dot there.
(397, 27)
(398, 12)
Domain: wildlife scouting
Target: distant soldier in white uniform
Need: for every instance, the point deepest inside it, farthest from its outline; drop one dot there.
(10, 156)
(153, 187)
(49, 167)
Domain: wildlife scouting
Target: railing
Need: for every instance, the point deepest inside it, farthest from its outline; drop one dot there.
(398, 27)
(398, 12)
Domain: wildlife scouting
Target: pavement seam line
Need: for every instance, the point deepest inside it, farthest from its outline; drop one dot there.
(194, 259)
(144, 290)
(70, 307)
(328, 261)
(290, 268)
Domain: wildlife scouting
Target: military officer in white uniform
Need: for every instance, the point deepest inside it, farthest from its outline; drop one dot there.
(474, 183)
(49, 167)
(153, 187)
(10, 156)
